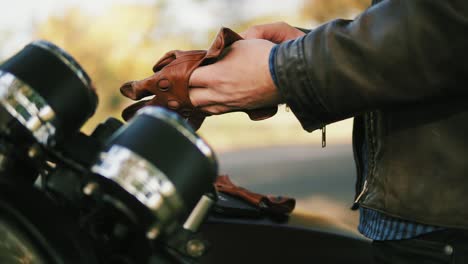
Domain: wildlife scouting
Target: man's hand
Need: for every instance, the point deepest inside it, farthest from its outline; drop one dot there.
(240, 80)
(275, 32)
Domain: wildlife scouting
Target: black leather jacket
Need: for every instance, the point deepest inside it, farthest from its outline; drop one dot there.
(401, 69)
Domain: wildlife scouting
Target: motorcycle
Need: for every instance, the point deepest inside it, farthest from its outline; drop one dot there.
(140, 192)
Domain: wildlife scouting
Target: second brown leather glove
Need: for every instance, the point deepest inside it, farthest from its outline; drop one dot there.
(170, 82)
(268, 203)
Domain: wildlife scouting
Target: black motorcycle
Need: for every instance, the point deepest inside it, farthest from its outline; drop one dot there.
(135, 193)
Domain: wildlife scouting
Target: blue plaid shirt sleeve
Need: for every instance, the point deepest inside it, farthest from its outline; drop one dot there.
(271, 62)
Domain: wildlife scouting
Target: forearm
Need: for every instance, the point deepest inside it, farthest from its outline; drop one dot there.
(397, 52)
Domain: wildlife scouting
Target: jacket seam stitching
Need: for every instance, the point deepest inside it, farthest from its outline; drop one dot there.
(309, 81)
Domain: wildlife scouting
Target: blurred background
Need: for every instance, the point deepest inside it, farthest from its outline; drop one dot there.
(120, 40)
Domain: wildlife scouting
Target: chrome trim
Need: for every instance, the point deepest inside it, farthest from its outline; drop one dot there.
(182, 126)
(28, 107)
(65, 58)
(153, 233)
(198, 214)
(142, 180)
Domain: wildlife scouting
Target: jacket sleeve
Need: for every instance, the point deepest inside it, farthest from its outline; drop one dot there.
(397, 52)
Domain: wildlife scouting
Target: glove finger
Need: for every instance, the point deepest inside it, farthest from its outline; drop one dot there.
(136, 90)
(262, 113)
(130, 111)
(169, 57)
(196, 121)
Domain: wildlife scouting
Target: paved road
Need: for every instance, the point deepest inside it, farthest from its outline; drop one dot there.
(322, 180)
(298, 171)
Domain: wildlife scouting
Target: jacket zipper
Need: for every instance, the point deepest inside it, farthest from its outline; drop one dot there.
(369, 122)
(357, 146)
(364, 189)
(324, 136)
(369, 127)
(324, 130)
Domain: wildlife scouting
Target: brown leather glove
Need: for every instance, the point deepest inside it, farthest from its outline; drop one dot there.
(170, 82)
(269, 203)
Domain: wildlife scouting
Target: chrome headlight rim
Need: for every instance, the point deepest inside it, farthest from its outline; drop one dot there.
(159, 161)
(28, 107)
(59, 80)
(142, 180)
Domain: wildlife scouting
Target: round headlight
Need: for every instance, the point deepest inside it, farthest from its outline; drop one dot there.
(159, 160)
(46, 91)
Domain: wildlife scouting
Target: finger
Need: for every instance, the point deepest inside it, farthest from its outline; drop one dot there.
(262, 113)
(201, 97)
(135, 90)
(277, 32)
(254, 32)
(130, 111)
(201, 77)
(216, 109)
(265, 31)
(196, 121)
(127, 89)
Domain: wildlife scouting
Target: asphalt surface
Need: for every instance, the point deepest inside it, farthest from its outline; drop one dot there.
(321, 180)
(297, 171)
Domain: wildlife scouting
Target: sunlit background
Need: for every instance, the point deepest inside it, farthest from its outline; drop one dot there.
(120, 40)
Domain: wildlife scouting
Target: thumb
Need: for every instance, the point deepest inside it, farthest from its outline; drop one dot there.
(271, 32)
(277, 32)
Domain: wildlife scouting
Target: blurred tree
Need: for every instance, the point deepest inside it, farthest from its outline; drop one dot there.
(5, 36)
(324, 10)
(123, 42)
(112, 47)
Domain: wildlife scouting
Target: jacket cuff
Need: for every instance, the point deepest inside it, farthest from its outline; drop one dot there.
(307, 31)
(271, 65)
(295, 86)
